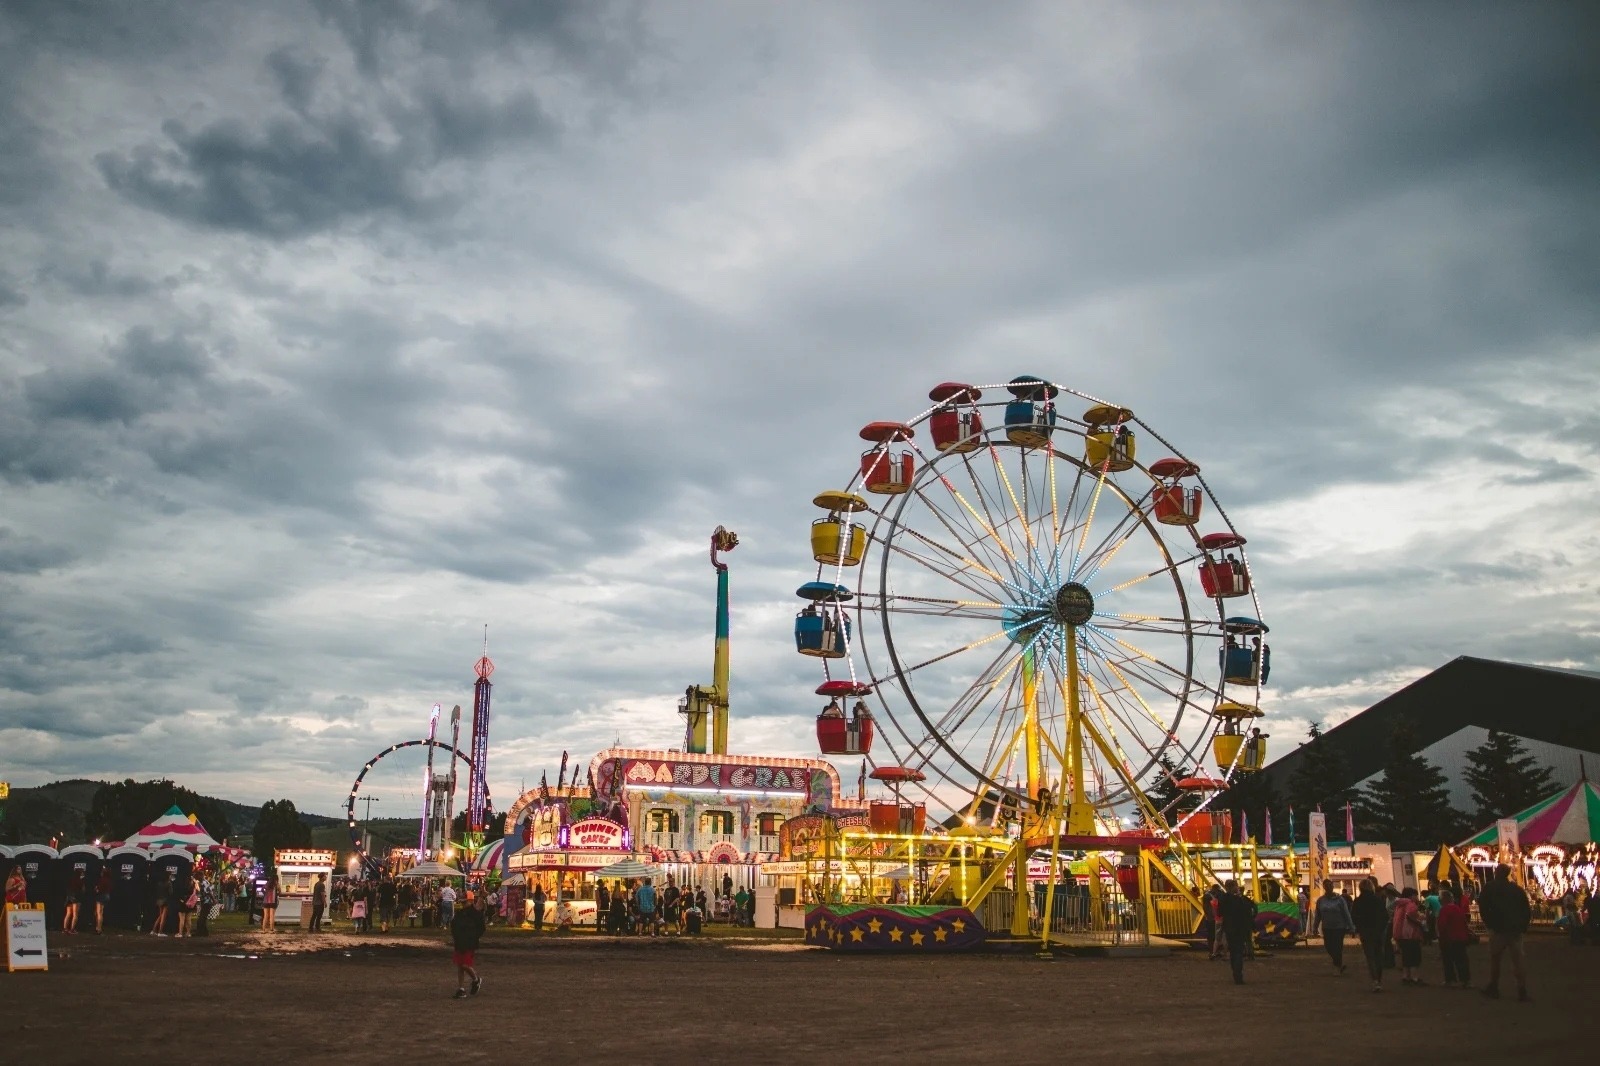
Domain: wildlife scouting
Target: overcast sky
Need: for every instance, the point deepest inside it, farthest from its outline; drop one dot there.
(331, 332)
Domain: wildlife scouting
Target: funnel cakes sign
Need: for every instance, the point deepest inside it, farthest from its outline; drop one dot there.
(594, 834)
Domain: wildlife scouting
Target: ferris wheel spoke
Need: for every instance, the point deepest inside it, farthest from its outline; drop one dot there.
(1187, 693)
(1004, 666)
(1115, 682)
(1170, 568)
(1168, 627)
(985, 520)
(954, 652)
(959, 576)
(1088, 520)
(976, 543)
(1113, 542)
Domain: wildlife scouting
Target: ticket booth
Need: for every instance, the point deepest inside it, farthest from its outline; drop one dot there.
(297, 876)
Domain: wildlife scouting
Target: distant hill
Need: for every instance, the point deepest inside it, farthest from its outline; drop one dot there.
(57, 810)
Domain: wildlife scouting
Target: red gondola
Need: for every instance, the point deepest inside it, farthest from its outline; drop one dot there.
(836, 734)
(884, 470)
(1175, 505)
(957, 426)
(1227, 576)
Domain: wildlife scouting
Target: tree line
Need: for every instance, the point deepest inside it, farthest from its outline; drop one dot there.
(1408, 804)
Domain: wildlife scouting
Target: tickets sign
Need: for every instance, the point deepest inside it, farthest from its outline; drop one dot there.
(304, 857)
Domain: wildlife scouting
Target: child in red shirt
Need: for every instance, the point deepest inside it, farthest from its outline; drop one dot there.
(1454, 935)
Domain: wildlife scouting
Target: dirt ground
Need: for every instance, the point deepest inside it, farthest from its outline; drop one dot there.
(292, 998)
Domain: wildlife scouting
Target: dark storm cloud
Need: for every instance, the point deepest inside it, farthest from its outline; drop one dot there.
(487, 311)
(325, 164)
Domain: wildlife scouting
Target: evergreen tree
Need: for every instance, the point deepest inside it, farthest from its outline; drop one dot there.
(1321, 780)
(1164, 794)
(1505, 779)
(1250, 798)
(278, 826)
(1409, 805)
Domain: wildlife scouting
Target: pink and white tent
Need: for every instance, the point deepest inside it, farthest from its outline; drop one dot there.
(173, 830)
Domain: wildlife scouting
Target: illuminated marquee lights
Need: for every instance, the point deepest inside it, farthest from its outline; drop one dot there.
(355, 787)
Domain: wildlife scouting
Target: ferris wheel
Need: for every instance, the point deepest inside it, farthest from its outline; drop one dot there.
(1033, 612)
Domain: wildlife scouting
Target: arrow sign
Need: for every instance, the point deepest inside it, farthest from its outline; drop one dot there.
(25, 940)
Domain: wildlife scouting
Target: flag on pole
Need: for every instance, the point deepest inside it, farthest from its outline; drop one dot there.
(1267, 829)
(1291, 827)
(1349, 824)
(1244, 827)
(544, 787)
(561, 778)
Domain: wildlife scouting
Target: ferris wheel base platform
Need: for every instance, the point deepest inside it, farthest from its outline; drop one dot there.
(875, 928)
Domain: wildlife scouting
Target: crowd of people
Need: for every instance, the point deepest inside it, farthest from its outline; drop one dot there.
(640, 909)
(1395, 927)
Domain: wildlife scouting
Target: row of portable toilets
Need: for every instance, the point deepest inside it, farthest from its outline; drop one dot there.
(134, 874)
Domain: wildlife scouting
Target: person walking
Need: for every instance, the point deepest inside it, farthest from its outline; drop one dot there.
(1238, 924)
(386, 898)
(1332, 916)
(1409, 927)
(1372, 923)
(1505, 910)
(1454, 936)
(269, 906)
(466, 930)
(602, 907)
(540, 900)
(319, 903)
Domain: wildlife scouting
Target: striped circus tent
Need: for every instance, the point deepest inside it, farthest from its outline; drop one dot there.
(1571, 816)
(492, 857)
(173, 830)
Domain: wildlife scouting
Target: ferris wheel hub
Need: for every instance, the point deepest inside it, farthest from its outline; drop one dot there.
(1073, 604)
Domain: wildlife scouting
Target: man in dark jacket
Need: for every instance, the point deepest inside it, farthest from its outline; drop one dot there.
(1504, 909)
(466, 929)
(1372, 926)
(1239, 925)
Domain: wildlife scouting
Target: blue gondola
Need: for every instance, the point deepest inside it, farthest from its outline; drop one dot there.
(822, 629)
(1031, 417)
(1245, 662)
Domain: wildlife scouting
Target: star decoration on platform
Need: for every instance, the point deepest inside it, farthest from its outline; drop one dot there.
(917, 938)
(896, 933)
(875, 925)
(856, 935)
(959, 925)
(940, 933)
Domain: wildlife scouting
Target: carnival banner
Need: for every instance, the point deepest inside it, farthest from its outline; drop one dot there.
(1508, 846)
(1317, 849)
